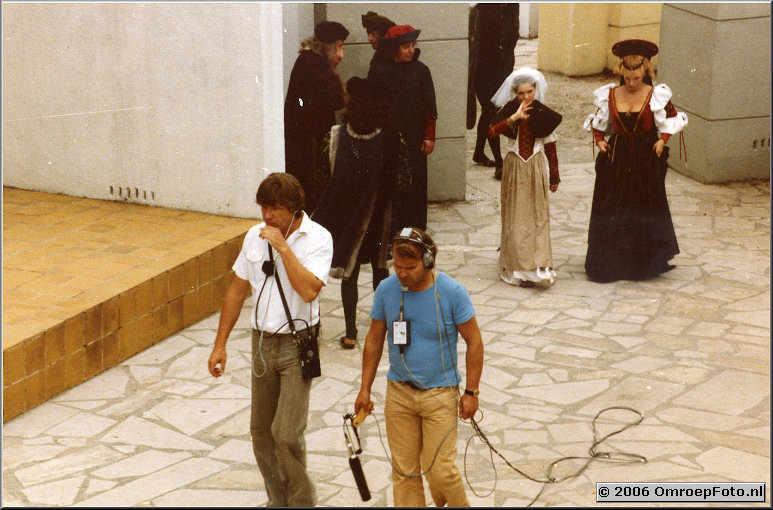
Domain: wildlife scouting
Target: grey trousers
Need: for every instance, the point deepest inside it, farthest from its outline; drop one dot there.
(280, 410)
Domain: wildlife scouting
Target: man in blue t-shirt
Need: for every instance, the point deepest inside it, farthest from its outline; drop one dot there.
(421, 311)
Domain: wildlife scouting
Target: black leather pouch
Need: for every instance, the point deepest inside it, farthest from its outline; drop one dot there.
(308, 354)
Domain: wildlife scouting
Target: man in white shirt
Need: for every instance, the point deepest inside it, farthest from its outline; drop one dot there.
(302, 251)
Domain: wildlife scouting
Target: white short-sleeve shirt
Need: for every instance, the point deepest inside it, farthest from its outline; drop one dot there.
(312, 244)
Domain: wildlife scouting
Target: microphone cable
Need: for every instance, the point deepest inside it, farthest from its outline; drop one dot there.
(259, 350)
(618, 457)
(273, 272)
(434, 457)
(593, 454)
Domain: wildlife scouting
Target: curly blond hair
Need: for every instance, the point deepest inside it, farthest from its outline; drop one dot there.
(635, 64)
(327, 50)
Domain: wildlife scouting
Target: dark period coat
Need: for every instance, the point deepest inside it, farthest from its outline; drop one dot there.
(413, 112)
(493, 33)
(356, 204)
(314, 93)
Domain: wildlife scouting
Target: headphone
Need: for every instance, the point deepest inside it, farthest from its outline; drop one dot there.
(412, 235)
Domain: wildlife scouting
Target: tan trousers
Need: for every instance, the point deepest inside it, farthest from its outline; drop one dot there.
(416, 423)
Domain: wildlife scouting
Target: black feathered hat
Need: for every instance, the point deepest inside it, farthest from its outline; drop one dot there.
(330, 32)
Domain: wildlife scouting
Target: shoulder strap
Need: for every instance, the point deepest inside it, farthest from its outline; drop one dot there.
(291, 324)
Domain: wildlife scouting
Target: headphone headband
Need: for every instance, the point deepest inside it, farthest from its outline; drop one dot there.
(414, 236)
(406, 233)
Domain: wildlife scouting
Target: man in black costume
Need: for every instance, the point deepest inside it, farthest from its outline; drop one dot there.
(314, 93)
(493, 30)
(376, 26)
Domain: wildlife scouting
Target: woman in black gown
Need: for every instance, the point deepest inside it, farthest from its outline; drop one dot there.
(356, 204)
(414, 113)
(631, 235)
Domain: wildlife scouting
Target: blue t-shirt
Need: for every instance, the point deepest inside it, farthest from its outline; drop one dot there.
(427, 312)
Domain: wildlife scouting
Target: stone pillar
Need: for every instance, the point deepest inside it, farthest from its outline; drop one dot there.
(166, 104)
(444, 49)
(573, 38)
(576, 39)
(528, 20)
(716, 59)
(632, 21)
(297, 25)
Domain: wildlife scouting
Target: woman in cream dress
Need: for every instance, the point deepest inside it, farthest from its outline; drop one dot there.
(530, 169)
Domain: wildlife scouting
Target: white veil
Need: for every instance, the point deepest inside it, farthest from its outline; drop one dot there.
(506, 92)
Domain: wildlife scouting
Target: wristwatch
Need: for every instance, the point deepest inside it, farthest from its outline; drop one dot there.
(472, 393)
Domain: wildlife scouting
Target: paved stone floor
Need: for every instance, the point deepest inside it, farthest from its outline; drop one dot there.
(690, 350)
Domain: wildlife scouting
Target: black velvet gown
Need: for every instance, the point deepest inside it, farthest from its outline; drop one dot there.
(631, 235)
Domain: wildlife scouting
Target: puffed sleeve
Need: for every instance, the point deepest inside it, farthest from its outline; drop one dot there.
(667, 119)
(600, 119)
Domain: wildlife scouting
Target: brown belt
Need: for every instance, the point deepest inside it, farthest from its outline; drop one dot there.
(415, 387)
(409, 383)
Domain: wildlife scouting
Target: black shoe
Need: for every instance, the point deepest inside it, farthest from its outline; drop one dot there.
(498, 173)
(484, 161)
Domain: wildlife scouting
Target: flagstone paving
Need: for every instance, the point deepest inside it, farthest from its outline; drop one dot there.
(689, 350)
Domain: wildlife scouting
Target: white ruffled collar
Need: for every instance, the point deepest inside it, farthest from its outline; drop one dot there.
(361, 137)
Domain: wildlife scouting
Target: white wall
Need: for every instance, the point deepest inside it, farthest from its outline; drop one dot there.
(178, 104)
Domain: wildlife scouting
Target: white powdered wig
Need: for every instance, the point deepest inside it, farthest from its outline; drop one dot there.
(506, 92)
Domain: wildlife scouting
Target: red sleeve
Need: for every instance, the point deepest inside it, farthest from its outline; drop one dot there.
(552, 155)
(494, 130)
(429, 126)
(598, 136)
(670, 110)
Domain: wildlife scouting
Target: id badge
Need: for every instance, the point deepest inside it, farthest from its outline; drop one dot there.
(401, 332)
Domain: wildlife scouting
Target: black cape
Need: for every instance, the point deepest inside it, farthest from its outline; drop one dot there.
(356, 204)
(413, 96)
(542, 120)
(314, 93)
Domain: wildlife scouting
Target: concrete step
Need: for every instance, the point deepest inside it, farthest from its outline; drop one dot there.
(89, 283)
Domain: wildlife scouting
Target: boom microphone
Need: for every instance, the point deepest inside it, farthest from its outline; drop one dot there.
(351, 422)
(359, 477)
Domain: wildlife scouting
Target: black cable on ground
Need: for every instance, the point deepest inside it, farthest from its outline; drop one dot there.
(593, 454)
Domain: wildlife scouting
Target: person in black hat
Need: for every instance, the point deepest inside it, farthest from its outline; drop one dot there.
(376, 26)
(314, 93)
(414, 113)
(631, 235)
(530, 170)
(493, 31)
(356, 204)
